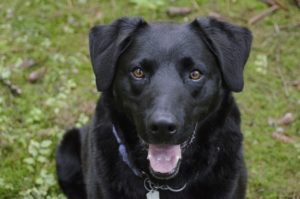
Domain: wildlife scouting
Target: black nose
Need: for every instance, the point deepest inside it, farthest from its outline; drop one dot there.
(163, 124)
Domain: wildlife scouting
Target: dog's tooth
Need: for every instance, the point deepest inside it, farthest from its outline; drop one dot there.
(159, 158)
(177, 158)
(167, 159)
(149, 156)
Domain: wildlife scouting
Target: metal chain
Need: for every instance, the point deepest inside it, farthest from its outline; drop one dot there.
(150, 186)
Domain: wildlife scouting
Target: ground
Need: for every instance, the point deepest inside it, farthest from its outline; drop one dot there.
(44, 54)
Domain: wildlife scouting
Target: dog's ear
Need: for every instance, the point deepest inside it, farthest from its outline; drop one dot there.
(230, 44)
(107, 43)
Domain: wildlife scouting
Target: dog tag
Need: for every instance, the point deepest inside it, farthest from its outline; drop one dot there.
(153, 194)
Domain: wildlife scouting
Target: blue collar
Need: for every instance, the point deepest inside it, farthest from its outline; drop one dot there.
(123, 152)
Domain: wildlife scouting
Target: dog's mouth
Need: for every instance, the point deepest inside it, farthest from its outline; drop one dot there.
(164, 160)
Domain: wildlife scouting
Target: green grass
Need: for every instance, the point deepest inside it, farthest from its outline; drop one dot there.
(54, 35)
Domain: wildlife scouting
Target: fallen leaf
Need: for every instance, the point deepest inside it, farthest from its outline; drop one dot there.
(178, 11)
(215, 15)
(27, 63)
(287, 119)
(283, 138)
(296, 84)
(36, 75)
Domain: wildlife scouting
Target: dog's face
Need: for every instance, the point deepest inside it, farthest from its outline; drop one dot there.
(167, 78)
(164, 86)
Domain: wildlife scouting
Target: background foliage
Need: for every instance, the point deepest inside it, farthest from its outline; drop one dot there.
(47, 86)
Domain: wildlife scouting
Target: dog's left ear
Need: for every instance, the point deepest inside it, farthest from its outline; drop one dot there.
(230, 44)
(107, 43)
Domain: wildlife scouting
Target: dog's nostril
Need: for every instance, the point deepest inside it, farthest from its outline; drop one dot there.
(172, 129)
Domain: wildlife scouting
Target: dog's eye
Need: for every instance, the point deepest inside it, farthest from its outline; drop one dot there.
(195, 75)
(138, 73)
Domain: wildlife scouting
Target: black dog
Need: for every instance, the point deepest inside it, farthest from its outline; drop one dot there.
(166, 125)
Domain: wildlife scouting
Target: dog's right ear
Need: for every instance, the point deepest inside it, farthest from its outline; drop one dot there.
(107, 43)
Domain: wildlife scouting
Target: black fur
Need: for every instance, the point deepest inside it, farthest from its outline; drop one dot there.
(88, 161)
(69, 169)
(226, 42)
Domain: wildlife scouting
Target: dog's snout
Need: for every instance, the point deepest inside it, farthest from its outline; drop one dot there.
(163, 124)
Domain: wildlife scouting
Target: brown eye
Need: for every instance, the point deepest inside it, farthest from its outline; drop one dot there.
(195, 75)
(138, 73)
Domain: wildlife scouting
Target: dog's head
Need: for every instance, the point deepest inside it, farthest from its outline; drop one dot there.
(168, 77)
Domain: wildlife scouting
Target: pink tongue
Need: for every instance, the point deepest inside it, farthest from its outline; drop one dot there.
(164, 158)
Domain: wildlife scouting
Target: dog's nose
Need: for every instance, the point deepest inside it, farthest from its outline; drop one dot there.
(163, 124)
